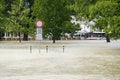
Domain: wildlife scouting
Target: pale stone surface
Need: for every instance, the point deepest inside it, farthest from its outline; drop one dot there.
(81, 60)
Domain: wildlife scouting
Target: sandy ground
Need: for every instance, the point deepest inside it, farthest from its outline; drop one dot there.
(77, 60)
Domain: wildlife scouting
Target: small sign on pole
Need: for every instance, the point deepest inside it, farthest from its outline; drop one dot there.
(39, 26)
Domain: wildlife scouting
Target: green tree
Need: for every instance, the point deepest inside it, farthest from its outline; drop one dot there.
(104, 11)
(19, 18)
(14, 17)
(55, 14)
(115, 27)
(27, 20)
(2, 18)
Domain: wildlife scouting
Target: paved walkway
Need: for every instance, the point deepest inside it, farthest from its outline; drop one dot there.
(81, 60)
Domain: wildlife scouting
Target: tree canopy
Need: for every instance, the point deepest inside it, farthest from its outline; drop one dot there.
(55, 14)
(19, 16)
(106, 13)
(2, 15)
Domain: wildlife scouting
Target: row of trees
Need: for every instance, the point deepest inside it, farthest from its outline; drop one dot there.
(19, 16)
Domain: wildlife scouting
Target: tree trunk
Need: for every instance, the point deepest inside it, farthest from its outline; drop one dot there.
(107, 38)
(25, 37)
(19, 38)
(53, 40)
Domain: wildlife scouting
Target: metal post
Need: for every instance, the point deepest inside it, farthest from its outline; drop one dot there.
(30, 49)
(39, 48)
(63, 49)
(46, 49)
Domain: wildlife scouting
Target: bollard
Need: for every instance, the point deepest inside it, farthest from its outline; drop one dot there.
(46, 49)
(63, 49)
(30, 49)
(39, 49)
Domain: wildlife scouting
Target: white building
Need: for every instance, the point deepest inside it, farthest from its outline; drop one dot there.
(86, 27)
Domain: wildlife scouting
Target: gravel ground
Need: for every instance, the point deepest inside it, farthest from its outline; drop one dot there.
(77, 60)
